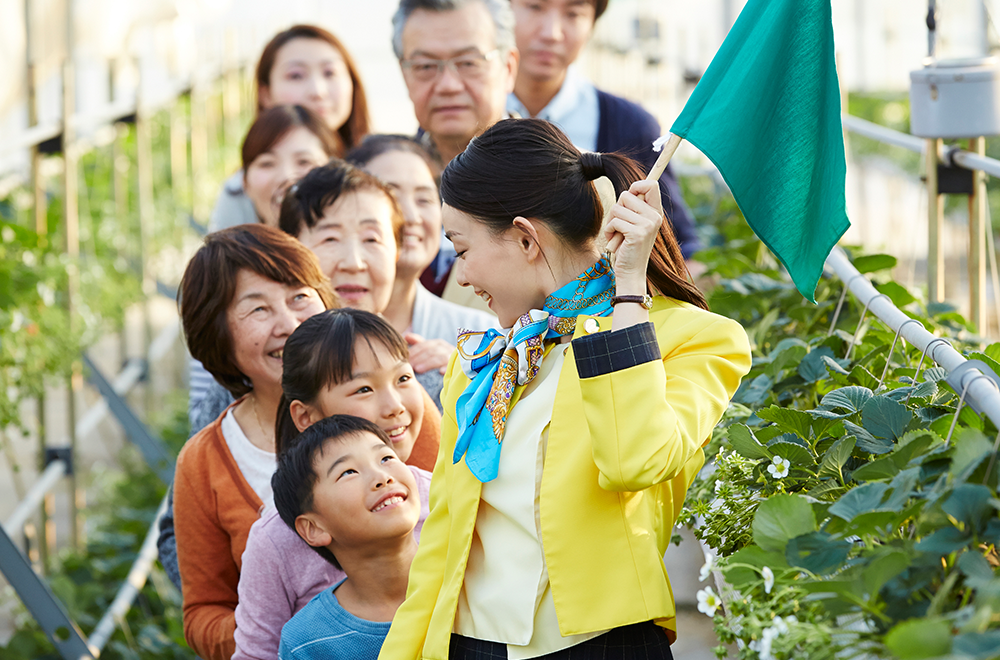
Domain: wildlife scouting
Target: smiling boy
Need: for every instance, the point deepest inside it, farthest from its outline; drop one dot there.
(344, 491)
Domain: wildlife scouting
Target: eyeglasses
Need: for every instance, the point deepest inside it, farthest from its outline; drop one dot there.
(472, 66)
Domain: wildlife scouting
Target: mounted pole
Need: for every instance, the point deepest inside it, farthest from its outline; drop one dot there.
(72, 233)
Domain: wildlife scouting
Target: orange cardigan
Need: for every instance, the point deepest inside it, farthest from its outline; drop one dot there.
(214, 507)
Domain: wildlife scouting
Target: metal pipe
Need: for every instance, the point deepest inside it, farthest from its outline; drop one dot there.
(974, 161)
(883, 134)
(133, 584)
(47, 480)
(128, 377)
(981, 391)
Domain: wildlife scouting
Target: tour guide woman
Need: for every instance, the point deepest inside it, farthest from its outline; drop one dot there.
(568, 442)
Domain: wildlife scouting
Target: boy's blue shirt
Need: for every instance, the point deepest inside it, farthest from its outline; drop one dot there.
(324, 629)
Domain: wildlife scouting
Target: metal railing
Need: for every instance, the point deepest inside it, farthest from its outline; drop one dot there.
(68, 131)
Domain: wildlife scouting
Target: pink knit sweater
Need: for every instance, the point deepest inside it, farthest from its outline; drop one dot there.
(281, 574)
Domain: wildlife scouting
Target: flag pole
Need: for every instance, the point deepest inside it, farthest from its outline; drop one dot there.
(666, 145)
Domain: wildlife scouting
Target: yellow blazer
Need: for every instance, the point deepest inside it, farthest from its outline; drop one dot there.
(622, 450)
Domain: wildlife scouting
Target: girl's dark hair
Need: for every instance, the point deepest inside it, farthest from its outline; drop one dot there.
(306, 200)
(272, 125)
(357, 124)
(376, 145)
(529, 168)
(320, 353)
(295, 478)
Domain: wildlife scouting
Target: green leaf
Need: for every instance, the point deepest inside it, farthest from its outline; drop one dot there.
(861, 376)
(993, 351)
(902, 485)
(812, 367)
(755, 391)
(781, 518)
(971, 447)
(835, 458)
(871, 263)
(977, 645)
(935, 374)
(866, 441)
(944, 541)
(913, 444)
(754, 556)
(919, 638)
(817, 552)
(882, 569)
(826, 489)
(834, 367)
(970, 505)
(976, 569)
(745, 444)
(992, 362)
(788, 420)
(885, 418)
(794, 452)
(897, 293)
(861, 499)
(851, 398)
(882, 468)
(791, 355)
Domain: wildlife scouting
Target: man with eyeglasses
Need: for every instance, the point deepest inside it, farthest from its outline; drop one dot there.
(459, 63)
(550, 35)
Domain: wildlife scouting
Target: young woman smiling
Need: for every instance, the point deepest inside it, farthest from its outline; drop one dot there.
(308, 66)
(569, 440)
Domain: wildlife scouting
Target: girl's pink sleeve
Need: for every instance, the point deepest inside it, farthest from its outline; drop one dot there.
(265, 599)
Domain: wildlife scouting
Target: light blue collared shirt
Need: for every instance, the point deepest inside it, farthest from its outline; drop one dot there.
(574, 109)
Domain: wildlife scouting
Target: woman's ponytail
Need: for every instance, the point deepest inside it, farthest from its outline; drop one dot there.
(529, 168)
(666, 274)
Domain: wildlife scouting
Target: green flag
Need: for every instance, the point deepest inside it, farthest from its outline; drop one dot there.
(767, 113)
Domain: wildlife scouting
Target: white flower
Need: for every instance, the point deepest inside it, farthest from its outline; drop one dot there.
(778, 467)
(708, 601)
(718, 486)
(706, 570)
(782, 625)
(768, 579)
(764, 645)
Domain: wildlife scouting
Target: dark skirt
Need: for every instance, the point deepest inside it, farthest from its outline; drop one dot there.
(639, 641)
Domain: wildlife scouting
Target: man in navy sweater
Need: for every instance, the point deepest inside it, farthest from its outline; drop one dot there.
(550, 35)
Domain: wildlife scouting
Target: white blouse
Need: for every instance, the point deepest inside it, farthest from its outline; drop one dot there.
(506, 596)
(256, 464)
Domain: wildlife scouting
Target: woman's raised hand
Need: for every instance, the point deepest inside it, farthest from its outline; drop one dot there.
(630, 232)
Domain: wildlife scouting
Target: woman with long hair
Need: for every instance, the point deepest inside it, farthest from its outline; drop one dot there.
(308, 66)
(568, 440)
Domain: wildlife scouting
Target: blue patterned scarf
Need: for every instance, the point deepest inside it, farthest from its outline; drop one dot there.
(497, 362)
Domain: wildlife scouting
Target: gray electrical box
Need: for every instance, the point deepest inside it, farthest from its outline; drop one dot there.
(955, 98)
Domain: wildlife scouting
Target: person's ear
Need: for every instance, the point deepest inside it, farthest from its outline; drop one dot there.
(303, 415)
(312, 532)
(264, 97)
(511, 63)
(527, 238)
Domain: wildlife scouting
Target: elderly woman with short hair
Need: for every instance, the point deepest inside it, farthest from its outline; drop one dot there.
(242, 295)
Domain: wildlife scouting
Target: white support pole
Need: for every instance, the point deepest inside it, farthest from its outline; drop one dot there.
(33, 498)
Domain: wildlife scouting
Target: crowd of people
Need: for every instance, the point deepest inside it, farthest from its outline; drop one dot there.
(362, 300)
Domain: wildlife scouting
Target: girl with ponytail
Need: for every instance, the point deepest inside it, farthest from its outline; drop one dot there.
(569, 439)
(342, 361)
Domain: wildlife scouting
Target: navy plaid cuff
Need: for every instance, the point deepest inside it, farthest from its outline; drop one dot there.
(606, 352)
